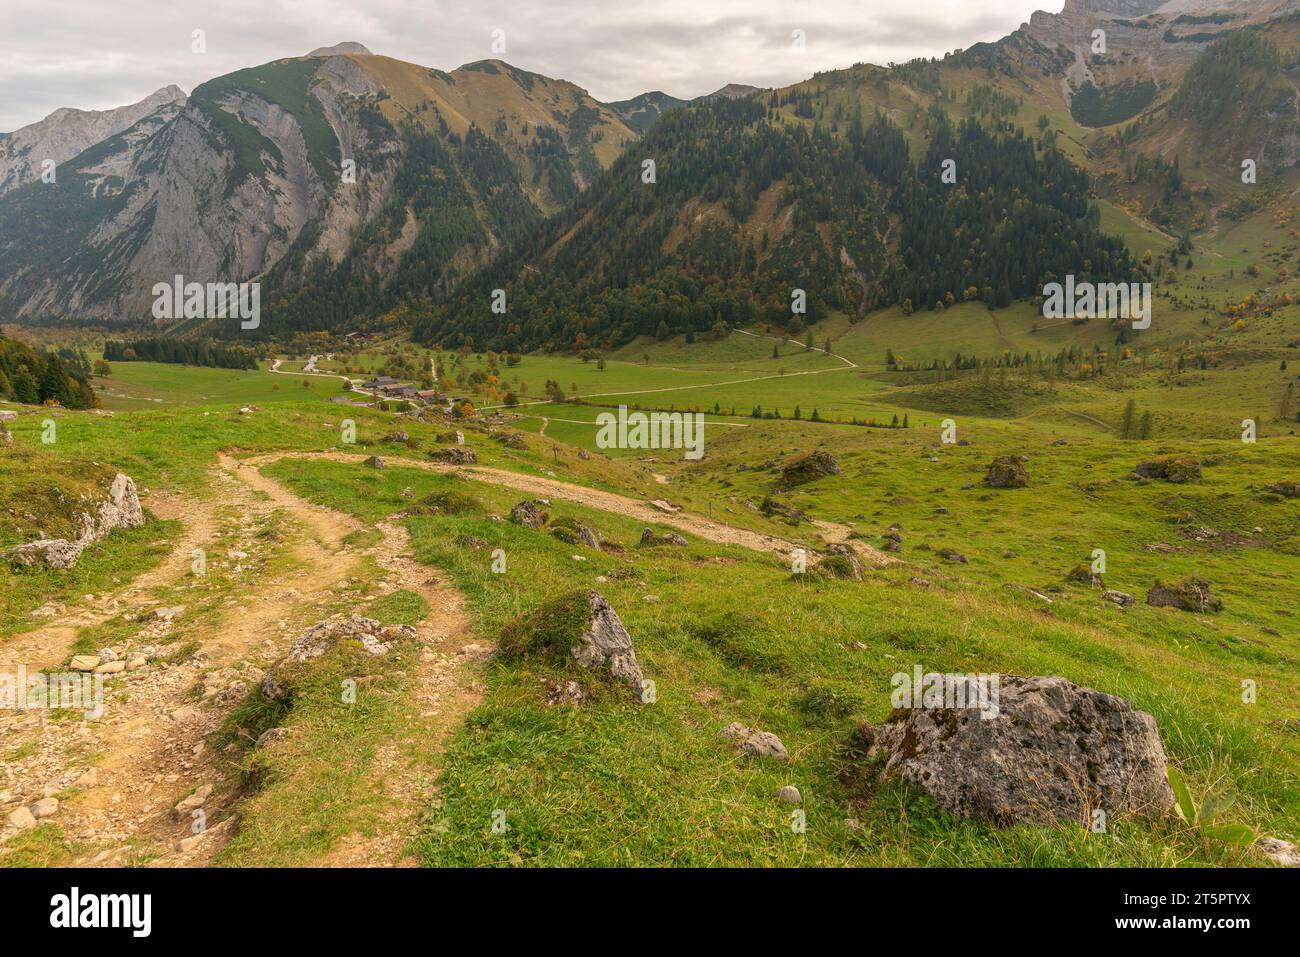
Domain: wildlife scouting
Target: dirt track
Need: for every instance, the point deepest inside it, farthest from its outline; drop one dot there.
(609, 502)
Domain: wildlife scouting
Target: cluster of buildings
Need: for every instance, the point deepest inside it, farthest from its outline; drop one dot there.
(386, 387)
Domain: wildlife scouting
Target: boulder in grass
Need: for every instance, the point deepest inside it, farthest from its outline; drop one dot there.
(1082, 574)
(581, 629)
(1007, 471)
(650, 538)
(1189, 594)
(528, 513)
(50, 552)
(374, 462)
(841, 563)
(572, 532)
(1121, 598)
(373, 637)
(1285, 489)
(761, 744)
(118, 510)
(1048, 749)
(808, 468)
(1170, 469)
(454, 456)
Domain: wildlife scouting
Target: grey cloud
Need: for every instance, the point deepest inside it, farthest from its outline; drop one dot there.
(92, 54)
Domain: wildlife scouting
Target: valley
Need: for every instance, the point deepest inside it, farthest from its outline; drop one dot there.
(377, 600)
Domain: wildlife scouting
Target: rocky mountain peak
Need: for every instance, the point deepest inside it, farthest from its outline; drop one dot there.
(338, 49)
(1116, 8)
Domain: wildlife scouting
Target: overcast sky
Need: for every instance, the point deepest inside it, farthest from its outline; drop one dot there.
(95, 54)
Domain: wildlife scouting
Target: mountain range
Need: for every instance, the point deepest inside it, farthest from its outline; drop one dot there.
(364, 191)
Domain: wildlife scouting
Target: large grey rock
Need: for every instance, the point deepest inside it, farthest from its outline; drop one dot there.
(320, 638)
(1051, 750)
(21, 819)
(578, 627)
(606, 645)
(120, 509)
(51, 552)
(763, 744)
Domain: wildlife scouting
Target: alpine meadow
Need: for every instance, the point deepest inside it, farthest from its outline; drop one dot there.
(836, 466)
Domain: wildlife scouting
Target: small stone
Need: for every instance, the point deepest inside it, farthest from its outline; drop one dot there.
(111, 668)
(790, 794)
(194, 801)
(21, 819)
(764, 744)
(107, 654)
(135, 662)
(1279, 851)
(45, 807)
(84, 662)
(89, 778)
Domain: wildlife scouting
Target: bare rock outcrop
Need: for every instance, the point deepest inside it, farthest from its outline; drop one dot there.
(1007, 471)
(1047, 749)
(120, 509)
(529, 513)
(454, 456)
(1189, 594)
(808, 468)
(320, 638)
(580, 628)
(1170, 470)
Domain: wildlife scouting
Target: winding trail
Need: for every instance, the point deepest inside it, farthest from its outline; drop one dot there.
(612, 502)
(149, 749)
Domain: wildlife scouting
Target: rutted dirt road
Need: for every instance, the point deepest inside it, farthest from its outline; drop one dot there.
(611, 502)
(119, 777)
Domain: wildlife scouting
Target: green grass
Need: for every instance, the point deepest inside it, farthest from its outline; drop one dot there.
(45, 845)
(616, 782)
(136, 386)
(319, 777)
(728, 635)
(401, 607)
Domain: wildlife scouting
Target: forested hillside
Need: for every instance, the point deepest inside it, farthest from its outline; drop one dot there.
(33, 377)
(746, 209)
